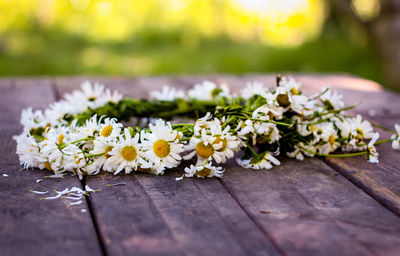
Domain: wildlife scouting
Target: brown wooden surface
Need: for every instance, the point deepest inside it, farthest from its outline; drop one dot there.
(314, 207)
(28, 225)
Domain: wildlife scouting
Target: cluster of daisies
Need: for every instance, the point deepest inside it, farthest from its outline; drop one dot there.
(256, 126)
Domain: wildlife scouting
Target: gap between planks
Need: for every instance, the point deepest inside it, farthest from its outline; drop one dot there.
(93, 218)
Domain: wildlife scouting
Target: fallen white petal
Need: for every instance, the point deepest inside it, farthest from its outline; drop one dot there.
(5, 175)
(37, 181)
(52, 197)
(179, 178)
(83, 210)
(39, 192)
(75, 203)
(72, 197)
(89, 189)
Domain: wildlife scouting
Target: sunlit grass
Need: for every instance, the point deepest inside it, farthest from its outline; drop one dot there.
(125, 37)
(284, 22)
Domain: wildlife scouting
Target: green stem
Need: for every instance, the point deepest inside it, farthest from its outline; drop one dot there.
(319, 95)
(90, 155)
(332, 111)
(82, 140)
(377, 143)
(382, 127)
(251, 149)
(383, 141)
(179, 125)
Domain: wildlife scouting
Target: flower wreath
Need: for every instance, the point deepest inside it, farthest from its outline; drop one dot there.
(83, 133)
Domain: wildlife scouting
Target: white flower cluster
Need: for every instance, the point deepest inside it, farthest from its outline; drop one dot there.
(269, 122)
(205, 91)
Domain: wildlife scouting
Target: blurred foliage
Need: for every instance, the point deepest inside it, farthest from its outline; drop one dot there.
(60, 37)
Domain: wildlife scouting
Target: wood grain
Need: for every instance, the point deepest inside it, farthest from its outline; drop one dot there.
(314, 211)
(29, 225)
(161, 216)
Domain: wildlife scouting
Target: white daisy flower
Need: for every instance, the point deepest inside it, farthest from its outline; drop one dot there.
(332, 98)
(27, 150)
(288, 100)
(109, 128)
(126, 154)
(167, 94)
(265, 161)
(109, 96)
(372, 153)
(203, 146)
(229, 143)
(32, 119)
(245, 128)
(225, 91)
(202, 91)
(90, 128)
(290, 85)
(251, 89)
(329, 135)
(73, 159)
(92, 96)
(396, 138)
(203, 171)
(202, 123)
(361, 129)
(101, 147)
(161, 147)
(208, 90)
(57, 110)
(268, 112)
(51, 155)
(268, 131)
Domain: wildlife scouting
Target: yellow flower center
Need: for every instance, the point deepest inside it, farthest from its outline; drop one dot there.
(294, 91)
(204, 151)
(106, 131)
(283, 100)
(312, 128)
(60, 138)
(161, 148)
(219, 140)
(47, 165)
(331, 140)
(106, 151)
(205, 172)
(129, 153)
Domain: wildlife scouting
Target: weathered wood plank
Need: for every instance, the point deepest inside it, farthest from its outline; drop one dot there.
(128, 221)
(313, 211)
(162, 216)
(23, 93)
(30, 225)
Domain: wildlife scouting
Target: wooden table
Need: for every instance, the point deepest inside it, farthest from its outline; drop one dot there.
(314, 207)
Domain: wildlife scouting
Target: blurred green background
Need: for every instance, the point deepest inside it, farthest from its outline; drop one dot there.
(131, 38)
